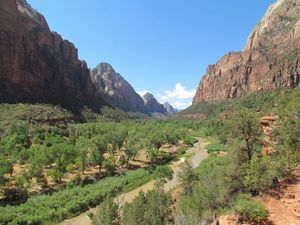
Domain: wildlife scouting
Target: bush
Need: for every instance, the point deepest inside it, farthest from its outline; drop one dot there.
(249, 210)
(217, 148)
(188, 140)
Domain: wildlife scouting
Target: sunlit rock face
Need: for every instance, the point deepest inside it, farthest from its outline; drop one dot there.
(170, 109)
(37, 65)
(152, 105)
(270, 60)
(116, 90)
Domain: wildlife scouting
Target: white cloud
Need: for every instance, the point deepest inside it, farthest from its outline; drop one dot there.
(180, 92)
(142, 93)
(181, 105)
(180, 97)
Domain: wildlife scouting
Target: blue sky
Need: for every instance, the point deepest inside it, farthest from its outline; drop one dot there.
(160, 46)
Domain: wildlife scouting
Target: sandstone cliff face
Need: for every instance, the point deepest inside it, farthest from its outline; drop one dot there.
(270, 60)
(152, 105)
(37, 65)
(115, 90)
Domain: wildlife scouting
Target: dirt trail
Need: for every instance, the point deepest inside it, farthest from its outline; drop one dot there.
(198, 152)
(283, 203)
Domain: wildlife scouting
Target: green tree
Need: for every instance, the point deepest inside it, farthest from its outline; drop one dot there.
(83, 149)
(131, 151)
(98, 152)
(187, 178)
(171, 137)
(150, 208)
(38, 158)
(109, 166)
(254, 181)
(288, 138)
(107, 214)
(245, 130)
(6, 167)
(63, 155)
(156, 140)
(133, 213)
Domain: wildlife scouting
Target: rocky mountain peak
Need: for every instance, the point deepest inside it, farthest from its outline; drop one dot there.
(282, 14)
(105, 68)
(170, 109)
(26, 10)
(147, 97)
(115, 89)
(152, 105)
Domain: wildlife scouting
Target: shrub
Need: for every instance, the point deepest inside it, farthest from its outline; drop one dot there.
(188, 140)
(107, 214)
(250, 210)
(217, 147)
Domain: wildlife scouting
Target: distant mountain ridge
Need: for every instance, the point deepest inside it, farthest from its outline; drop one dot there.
(115, 90)
(270, 60)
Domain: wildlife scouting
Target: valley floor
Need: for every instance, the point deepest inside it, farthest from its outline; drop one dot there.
(197, 152)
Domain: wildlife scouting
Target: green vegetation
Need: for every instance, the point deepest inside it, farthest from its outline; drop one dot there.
(107, 213)
(250, 210)
(217, 147)
(150, 208)
(87, 164)
(50, 209)
(222, 180)
(45, 149)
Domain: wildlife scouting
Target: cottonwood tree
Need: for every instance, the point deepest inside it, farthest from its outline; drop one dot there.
(98, 152)
(63, 155)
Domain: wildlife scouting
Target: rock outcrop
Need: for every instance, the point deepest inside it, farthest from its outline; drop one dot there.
(152, 105)
(170, 109)
(115, 90)
(37, 65)
(268, 123)
(270, 60)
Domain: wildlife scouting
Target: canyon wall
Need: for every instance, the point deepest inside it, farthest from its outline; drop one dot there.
(270, 59)
(37, 65)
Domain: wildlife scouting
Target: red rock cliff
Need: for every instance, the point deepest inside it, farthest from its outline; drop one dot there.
(37, 65)
(270, 60)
